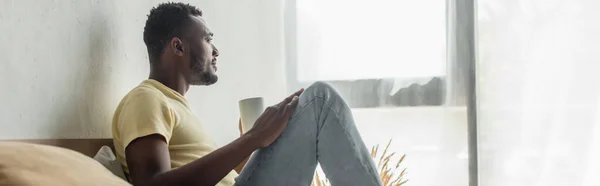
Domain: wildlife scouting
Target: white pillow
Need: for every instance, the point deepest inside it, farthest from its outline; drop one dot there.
(107, 158)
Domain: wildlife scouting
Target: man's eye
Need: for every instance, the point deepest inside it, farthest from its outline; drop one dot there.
(209, 39)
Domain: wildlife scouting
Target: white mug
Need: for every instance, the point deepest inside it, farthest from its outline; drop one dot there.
(250, 110)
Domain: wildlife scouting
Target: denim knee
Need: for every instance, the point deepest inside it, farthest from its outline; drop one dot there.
(323, 90)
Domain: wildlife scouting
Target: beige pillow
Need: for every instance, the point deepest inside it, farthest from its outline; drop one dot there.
(26, 164)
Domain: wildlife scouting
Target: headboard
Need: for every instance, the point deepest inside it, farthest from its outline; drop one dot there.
(88, 147)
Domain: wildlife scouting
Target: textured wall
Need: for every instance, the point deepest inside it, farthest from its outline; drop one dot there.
(66, 64)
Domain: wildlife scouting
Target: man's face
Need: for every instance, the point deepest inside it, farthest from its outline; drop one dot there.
(200, 63)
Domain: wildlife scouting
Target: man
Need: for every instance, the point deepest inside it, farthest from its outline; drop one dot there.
(159, 141)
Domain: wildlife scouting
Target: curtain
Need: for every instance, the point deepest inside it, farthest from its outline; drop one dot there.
(377, 53)
(538, 92)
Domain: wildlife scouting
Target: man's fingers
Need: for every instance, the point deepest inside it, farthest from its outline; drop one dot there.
(297, 93)
(284, 101)
(294, 101)
(270, 111)
(289, 108)
(289, 98)
(240, 126)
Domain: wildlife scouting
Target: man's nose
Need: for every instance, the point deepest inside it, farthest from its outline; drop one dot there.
(215, 51)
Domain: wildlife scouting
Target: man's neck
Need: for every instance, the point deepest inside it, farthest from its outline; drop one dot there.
(173, 81)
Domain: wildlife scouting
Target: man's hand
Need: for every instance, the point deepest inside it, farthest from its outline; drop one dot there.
(270, 124)
(273, 121)
(240, 127)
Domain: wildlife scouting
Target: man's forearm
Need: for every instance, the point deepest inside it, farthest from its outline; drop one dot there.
(240, 166)
(212, 168)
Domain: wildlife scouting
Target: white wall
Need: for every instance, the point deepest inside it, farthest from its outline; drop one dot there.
(249, 35)
(66, 64)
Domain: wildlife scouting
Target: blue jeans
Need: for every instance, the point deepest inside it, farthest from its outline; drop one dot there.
(322, 130)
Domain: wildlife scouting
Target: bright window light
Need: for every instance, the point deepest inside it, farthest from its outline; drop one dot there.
(367, 39)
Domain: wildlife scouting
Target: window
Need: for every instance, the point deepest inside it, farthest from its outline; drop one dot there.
(389, 60)
(377, 53)
(349, 40)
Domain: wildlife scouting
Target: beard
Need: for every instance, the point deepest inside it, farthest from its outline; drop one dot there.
(201, 74)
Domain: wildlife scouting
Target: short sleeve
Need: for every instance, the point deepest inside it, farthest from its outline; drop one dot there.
(145, 112)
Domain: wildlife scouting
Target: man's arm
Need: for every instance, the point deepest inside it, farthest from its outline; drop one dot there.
(148, 157)
(149, 162)
(241, 166)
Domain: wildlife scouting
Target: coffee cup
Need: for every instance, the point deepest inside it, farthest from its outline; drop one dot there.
(250, 110)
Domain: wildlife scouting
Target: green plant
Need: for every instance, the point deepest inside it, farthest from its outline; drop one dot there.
(390, 176)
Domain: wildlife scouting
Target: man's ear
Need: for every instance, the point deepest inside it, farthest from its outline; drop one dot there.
(177, 46)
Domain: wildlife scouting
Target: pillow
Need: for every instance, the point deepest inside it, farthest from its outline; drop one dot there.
(107, 158)
(28, 164)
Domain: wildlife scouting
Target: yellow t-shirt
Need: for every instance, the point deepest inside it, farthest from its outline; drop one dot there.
(153, 108)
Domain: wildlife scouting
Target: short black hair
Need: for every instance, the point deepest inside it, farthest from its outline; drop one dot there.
(166, 21)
